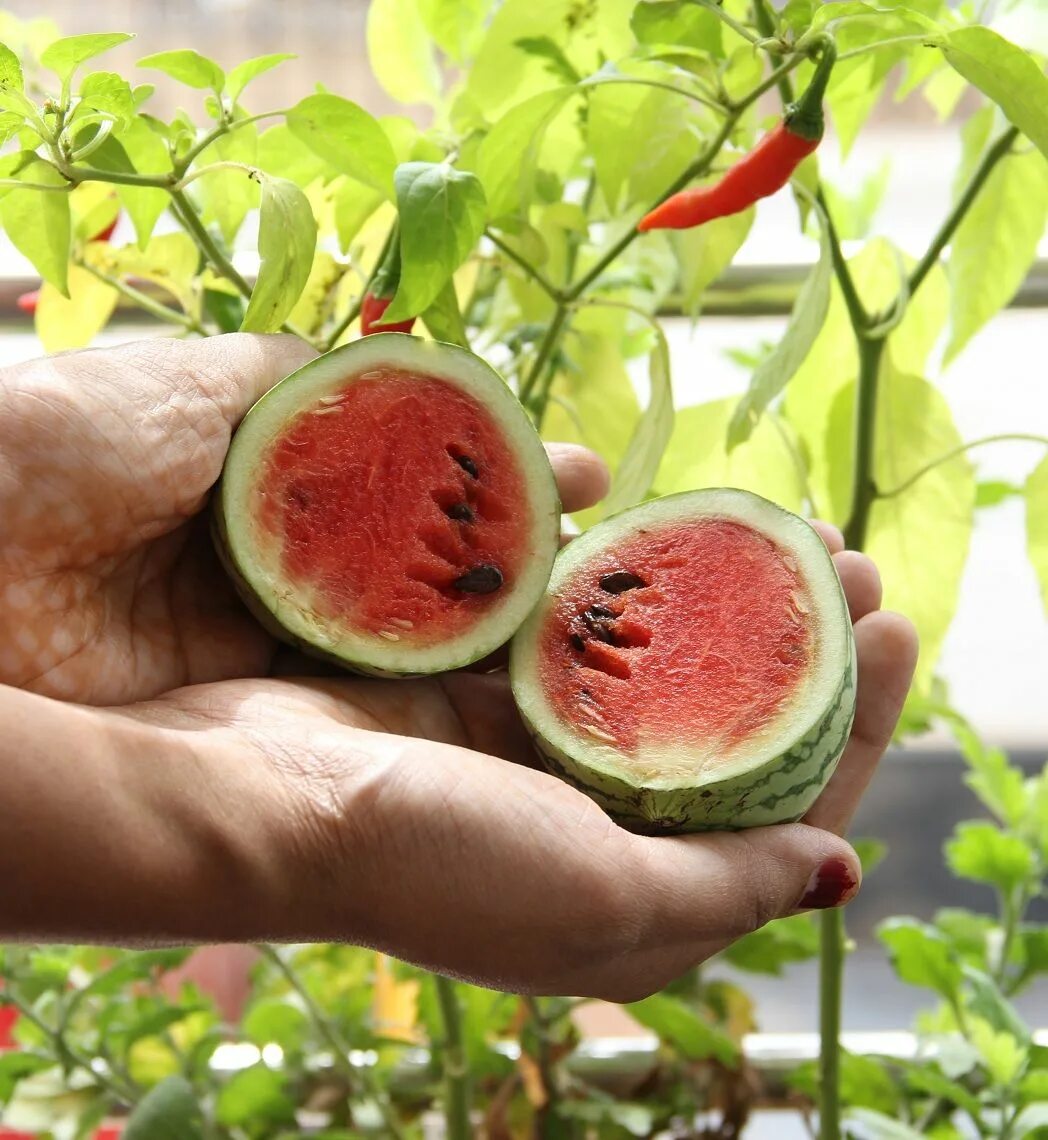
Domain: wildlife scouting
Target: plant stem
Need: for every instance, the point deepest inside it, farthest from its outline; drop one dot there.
(1004, 437)
(726, 18)
(530, 270)
(190, 219)
(144, 301)
(545, 1114)
(545, 352)
(339, 1048)
(78, 174)
(639, 81)
(353, 312)
(457, 1094)
(225, 128)
(893, 42)
(942, 239)
(831, 975)
(864, 490)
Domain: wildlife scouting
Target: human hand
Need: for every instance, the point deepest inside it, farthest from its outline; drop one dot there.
(384, 813)
(109, 582)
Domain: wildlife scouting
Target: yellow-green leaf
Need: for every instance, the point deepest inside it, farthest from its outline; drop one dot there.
(345, 136)
(188, 67)
(315, 304)
(401, 52)
(241, 75)
(1036, 495)
(287, 239)
(228, 195)
(1011, 77)
(73, 322)
(64, 56)
(705, 252)
(919, 538)
(697, 456)
(38, 222)
(169, 261)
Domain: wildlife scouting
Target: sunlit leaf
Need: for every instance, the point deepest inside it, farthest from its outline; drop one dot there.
(64, 56)
(73, 322)
(456, 26)
(684, 1029)
(38, 222)
(145, 153)
(983, 853)
(705, 252)
(401, 52)
(106, 91)
(921, 955)
(347, 137)
(443, 318)
(188, 67)
(287, 237)
(11, 78)
(1011, 77)
(1036, 494)
(241, 75)
(169, 1111)
(678, 23)
(170, 261)
(791, 350)
(228, 194)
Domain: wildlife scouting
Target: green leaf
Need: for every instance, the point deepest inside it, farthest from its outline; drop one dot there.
(996, 243)
(677, 23)
(867, 1124)
(1036, 494)
(444, 318)
(354, 203)
(442, 213)
(507, 156)
(106, 91)
(1003, 1056)
(282, 154)
(16, 1064)
(241, 75)
(1009, 76)
(853, 214)
(997, 783)
(167, 1112)
(137, 149)
(993, 492)
(277, 1022)
(925, 1078)
(921, 956)
(640, 463)
(770, 949)
(347, 137)
(983, 853)
(987, 1001)
(547, 49)
(38, 223)
(401, 53)
(919, 538)
(64, 56)
(864, 1083)
(170, 261)
(11, 78)
(679, 1026)
(188, 67)
(697, 456)
(456, 26)
(791, 350)
(64, 323)
(228, 195)
(287, 238)
(705, 252)
(254, 1096)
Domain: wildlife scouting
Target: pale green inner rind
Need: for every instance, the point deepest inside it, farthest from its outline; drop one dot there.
(257, 559)
(675, 764)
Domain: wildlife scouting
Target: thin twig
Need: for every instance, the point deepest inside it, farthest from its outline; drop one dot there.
(532, 271)
(1004, 437)
(144, 301)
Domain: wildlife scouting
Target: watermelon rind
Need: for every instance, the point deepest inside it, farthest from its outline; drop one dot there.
(255, 570)
(779, 777)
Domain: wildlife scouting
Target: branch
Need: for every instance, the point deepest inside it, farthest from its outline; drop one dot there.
(725, 18)
(949, 227)
(144, 301)
(456, 1067)
(532, 271)
(1005, 437)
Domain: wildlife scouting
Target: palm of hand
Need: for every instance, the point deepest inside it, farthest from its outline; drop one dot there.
(108, 580)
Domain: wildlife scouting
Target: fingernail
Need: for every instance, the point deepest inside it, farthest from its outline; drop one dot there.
(832, 884)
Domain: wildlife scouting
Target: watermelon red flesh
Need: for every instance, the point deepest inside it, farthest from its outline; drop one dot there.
(385, 494)
(706, 649)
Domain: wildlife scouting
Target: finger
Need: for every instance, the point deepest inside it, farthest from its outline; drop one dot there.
(236, 370)
(744, 879)
(861, 582)
(582, 476)
(829, 534)
(886, 646)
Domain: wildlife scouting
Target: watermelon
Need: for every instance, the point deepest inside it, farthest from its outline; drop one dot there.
(389, 507)
(691, 665)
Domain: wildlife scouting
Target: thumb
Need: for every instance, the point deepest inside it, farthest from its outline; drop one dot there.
(716, 888)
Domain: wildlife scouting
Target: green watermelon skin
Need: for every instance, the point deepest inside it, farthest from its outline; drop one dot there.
(779, 788)
(781, 792)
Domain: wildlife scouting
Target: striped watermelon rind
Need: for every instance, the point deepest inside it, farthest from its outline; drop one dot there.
(776, 788)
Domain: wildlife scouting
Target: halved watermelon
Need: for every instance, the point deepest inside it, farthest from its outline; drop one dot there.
(390, 507)
(691, 666)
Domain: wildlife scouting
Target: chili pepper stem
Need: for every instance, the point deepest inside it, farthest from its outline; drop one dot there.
(805, 117)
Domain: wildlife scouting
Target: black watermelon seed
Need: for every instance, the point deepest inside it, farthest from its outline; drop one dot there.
(619, 581)
(461, 512)
(596, 612)
(482, 579)
(596, 620)
(577, 642)
(467, 465)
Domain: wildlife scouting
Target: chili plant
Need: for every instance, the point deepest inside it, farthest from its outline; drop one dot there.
(553, 129)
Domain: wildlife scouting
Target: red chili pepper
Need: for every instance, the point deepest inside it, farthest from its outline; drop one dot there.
(107, 233)
(371, 311)
(382, 290)
(759, 174)
(28, 302)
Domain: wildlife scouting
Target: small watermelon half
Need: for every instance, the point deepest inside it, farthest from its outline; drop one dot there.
(691, 666)
(390, 507)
